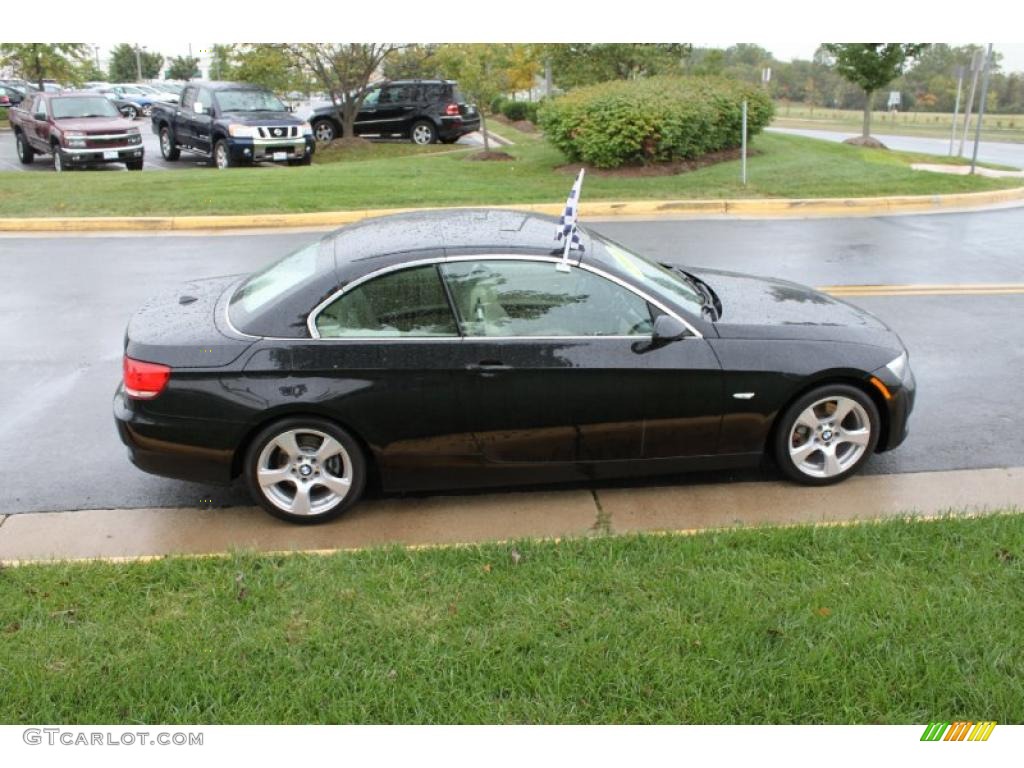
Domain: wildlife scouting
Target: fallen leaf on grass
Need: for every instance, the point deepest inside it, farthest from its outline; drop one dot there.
(487, 568)
(824, 611)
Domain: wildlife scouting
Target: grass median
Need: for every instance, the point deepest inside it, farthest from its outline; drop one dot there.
(895, 622)
(785, 167)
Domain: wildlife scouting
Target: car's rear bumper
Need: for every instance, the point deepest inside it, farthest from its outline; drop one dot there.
(165, 446)
(454, 127)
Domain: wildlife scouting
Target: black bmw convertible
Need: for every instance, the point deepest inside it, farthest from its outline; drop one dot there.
(463, 348)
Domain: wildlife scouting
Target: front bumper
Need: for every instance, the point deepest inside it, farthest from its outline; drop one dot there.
(90, 156)
(899, 406)
(274, 150)
(160, 446)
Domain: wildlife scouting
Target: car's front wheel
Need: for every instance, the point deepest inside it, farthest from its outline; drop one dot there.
(827, 435)
(222, 155)
(324, 131)
(167, 148)
(305, 470)
(58, 160)
(25, 153)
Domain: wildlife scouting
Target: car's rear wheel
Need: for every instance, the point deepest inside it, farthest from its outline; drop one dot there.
(324, 131)
(130, 112)
(25, 153)
(827, 435)
(450, 140)
(167, 148)
(147, 110)
(305, 470)
(423, 132)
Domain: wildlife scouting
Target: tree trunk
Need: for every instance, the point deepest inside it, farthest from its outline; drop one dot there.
(348, 123)
(483, 131)
(868, 100)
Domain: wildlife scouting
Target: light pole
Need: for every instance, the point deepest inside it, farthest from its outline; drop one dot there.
(956, 108)
(138, 59)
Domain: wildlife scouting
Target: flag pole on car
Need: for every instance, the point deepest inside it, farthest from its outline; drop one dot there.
(567, 225)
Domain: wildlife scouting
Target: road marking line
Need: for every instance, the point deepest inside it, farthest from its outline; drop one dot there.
(966, 289)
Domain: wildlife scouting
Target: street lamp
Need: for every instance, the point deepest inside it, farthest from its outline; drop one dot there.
(138, 59)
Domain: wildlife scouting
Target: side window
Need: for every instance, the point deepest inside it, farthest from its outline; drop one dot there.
(188, 98)
(433, 92)
(397, 94)
(530, 298)
(411, 302)
(205, 98)
(372, 98)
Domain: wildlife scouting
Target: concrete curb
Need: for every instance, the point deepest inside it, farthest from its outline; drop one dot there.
(752, 208)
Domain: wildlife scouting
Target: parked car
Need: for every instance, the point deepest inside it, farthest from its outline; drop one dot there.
(132, 92)
(77, 129)
(130, 109)
(424, 111)
(10, 96)
(232, 123)
(448, 348)
(158, 93)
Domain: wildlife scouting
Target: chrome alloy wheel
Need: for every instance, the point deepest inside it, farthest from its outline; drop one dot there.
(422, 134)
(165, 142)
(220, 155)
(324, 131)
(829, 437)
(304, 472)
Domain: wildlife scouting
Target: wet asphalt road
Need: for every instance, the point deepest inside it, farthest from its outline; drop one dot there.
(66, 301)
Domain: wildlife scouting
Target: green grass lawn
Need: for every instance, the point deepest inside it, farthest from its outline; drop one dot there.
(879, 623)
(340, 152)
(787, 166)
(995, 127)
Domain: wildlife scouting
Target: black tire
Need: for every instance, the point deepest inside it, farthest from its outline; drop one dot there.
(58, 159)
(147, 110)
(130, 112)
(221, 156)
(423, 132)
(826, 437)
(25, 153)
(324, 130)
(450, 140)
(133, 165)
(263, 452)
(167, 146)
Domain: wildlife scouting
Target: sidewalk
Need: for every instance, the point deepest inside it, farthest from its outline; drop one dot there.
(441, 520)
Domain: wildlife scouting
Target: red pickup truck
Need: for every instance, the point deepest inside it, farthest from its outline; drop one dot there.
(76, 129)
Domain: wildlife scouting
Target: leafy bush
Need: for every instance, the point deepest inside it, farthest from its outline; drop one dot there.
(3, 114)
(520, 110)
(658, 119)
(498, 105)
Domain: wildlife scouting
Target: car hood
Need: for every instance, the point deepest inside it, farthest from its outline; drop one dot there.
(93, 124)
(262, 118)
(761, 307)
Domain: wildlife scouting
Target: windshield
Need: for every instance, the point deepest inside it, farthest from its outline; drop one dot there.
(82, 106)
(273, 282)
(132, 89)
(653, 276)
(249, 100)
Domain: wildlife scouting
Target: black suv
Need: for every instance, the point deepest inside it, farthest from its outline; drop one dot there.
(423, 111)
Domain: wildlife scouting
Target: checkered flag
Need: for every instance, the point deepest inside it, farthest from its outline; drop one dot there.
(567, 225)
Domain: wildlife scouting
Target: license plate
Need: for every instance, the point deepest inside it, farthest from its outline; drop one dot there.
(280, 156)
(110, 155)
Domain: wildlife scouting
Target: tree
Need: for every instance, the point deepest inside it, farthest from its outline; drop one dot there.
(482, 72)
(124, 66)
(183, 68)
(344, 71)
(64, 62)
(222, 59)
(575, 64)
(271, 66)
(872, 66)
(413, 61)
(522, 67)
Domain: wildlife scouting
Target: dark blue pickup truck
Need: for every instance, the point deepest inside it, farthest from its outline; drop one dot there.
(232, 124)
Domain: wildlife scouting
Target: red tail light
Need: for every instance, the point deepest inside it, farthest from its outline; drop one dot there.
(451, 109)
(144, 381)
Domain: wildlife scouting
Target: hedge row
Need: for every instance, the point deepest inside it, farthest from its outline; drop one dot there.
(658, 119)
(515, 110)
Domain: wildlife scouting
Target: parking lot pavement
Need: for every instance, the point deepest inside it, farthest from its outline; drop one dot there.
(154, 160)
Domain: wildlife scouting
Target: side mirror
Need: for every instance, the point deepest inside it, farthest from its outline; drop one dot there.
(668, 328)
(198, 108)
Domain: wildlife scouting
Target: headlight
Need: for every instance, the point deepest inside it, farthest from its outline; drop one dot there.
(307, 129)
(75, 138)
(898, 366)
(243, 131)
(134, 130)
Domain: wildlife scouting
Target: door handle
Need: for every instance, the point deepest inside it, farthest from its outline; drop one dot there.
(488, 367)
